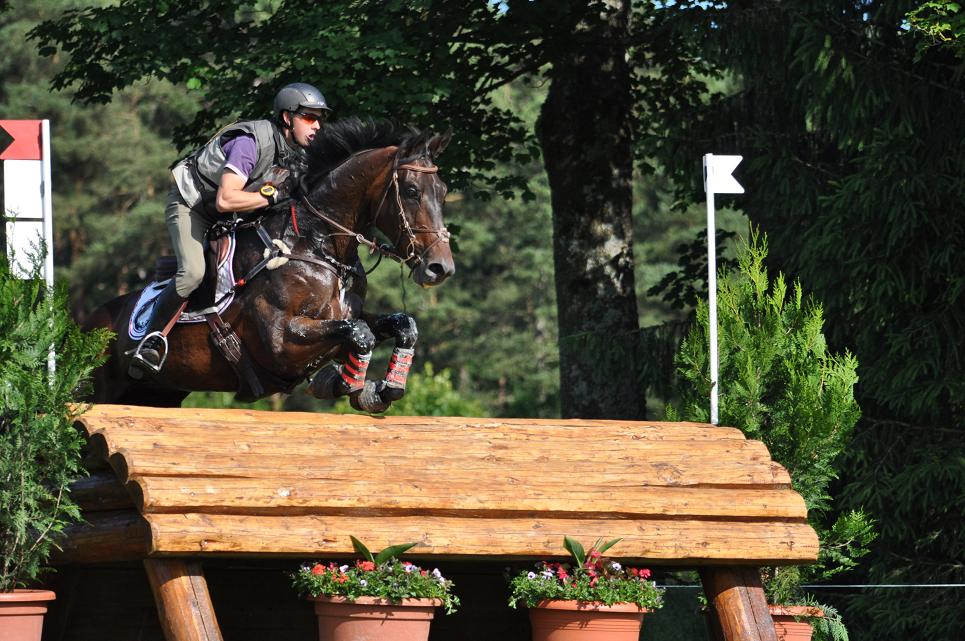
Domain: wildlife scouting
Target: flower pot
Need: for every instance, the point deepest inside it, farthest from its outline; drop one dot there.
(22, 614)
(374, 619)
(586, 621)
(787, 623)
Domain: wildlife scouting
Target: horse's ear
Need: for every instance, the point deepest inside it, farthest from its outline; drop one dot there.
(437, 144)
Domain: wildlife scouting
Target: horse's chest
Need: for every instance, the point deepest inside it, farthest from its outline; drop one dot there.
(340, 304)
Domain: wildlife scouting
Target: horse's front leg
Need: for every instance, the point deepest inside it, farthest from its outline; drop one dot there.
(353, 340)
(402, 328)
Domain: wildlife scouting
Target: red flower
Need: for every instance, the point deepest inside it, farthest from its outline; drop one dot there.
(644, 573)
(594, 554)
(423, 572)
(341, 578)
(365, 566)
(594, 581)
(317, 569)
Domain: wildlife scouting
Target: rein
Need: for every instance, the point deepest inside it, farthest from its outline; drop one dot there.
(405, 227)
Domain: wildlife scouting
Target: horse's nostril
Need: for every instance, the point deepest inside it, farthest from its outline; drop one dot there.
(437, 269)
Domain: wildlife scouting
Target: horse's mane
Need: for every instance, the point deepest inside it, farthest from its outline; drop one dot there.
(337, 141)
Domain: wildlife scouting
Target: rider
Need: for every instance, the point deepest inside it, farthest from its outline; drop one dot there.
(211, 182)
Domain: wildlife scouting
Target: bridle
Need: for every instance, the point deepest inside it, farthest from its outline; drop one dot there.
(411, 258)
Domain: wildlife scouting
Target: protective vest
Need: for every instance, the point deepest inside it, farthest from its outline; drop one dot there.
(198, 175)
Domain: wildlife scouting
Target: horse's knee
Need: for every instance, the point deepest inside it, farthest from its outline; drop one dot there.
(401, 327)
(408, 332)
(361, 338)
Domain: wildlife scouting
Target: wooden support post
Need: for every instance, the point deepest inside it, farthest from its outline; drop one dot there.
(736, 594)
(183, 603)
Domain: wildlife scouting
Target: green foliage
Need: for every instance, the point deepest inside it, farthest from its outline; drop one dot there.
(853, 137)
(110, 163)
(590, 578)
(779, 384)
(39, 446)
(942, 22)
(830, 627)
(382, 576)
(388, 553)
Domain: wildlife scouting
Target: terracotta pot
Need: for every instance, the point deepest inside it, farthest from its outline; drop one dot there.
(374, 619)
(584, 621)
(786, 622)
(22, 614)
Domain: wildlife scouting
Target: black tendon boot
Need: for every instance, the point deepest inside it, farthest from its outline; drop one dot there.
(147, 356)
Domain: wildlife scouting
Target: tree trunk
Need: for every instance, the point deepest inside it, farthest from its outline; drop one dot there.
(585, 133)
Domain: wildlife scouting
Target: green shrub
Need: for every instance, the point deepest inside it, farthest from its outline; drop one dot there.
(39, 447)
(780, 385)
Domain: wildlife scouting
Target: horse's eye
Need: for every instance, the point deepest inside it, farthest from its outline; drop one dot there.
(411, 192)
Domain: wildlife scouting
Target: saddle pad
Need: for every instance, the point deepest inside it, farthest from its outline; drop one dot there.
(141, 316)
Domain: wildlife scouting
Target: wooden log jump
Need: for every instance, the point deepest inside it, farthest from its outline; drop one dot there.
(195, 483)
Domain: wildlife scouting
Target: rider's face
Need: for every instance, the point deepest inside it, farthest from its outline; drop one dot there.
(304, 123)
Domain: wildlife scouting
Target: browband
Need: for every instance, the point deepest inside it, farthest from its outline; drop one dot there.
(420, 168)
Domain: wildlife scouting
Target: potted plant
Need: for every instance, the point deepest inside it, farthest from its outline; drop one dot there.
(780, 384)
(40, 450)
(591, 598)
(378, 597)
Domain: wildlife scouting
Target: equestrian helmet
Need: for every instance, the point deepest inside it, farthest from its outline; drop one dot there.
(298, 94)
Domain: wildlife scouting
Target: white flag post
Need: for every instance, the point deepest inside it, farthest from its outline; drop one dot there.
(27, 198)
(717, 180)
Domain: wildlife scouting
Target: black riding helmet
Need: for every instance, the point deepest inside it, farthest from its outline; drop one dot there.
(295, 95)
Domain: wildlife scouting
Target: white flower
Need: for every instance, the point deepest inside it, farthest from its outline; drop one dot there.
(438, 575)
(531, 575)
(616, 566)
(409, 568)
(342, 568)
(363, 582)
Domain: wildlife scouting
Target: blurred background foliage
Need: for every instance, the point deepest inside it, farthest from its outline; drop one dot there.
(849, 114)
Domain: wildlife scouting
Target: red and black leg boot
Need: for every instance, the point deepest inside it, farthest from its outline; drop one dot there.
(397, 374)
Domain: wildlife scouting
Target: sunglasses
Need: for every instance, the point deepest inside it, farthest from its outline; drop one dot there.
(311, 118)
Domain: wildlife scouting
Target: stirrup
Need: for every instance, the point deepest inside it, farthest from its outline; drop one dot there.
(139, 362)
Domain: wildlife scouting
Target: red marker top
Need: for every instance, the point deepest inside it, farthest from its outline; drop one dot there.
(25, 143)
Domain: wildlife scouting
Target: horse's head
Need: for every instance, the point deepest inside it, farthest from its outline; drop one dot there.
(410, 213)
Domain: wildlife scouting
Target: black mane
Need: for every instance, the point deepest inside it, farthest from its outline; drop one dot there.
(337, 141)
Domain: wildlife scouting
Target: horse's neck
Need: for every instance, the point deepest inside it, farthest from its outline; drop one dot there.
(345, 197)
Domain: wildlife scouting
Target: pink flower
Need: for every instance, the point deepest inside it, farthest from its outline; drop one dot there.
(644, 573)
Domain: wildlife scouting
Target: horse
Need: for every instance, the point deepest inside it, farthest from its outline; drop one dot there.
(300, 316)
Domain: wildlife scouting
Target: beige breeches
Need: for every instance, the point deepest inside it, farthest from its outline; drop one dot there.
(187, 227)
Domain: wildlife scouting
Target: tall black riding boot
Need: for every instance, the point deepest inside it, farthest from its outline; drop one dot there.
(147, 357)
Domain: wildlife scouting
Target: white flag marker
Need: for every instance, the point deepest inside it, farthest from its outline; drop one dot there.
(717, 180)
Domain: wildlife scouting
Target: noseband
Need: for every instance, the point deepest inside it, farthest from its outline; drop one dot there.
(404, 226)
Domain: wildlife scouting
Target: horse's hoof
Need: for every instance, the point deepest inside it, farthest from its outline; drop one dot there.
(323, 383)
(369, 400)
(391, 394)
